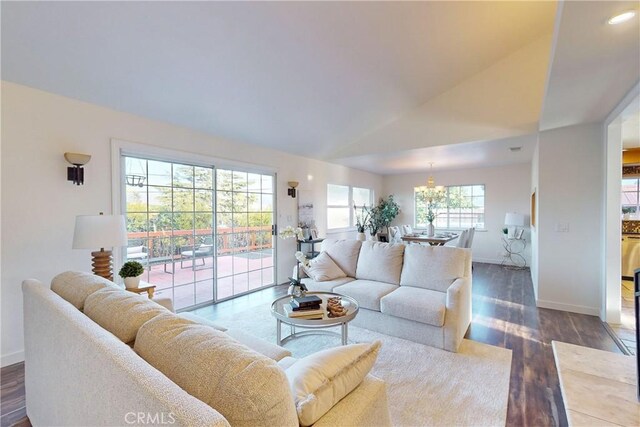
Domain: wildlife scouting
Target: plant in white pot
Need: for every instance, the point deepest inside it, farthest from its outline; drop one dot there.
(361, 222)
(131, 272)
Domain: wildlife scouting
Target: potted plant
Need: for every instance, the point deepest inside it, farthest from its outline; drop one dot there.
(374, 223)
(131, 272)
(388, 210)
(361, 222)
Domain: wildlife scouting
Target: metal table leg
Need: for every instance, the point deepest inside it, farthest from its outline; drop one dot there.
(278, 331)
(345, 333)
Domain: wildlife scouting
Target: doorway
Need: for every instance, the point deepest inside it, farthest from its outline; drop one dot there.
(203, 234)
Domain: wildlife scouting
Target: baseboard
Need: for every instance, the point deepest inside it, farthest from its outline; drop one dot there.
(486, 260)
(580, 309)
(11, 358)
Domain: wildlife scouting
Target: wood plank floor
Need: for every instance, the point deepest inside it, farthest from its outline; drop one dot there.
(504, 315)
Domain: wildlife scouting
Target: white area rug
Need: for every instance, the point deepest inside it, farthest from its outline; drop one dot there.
(426, 386)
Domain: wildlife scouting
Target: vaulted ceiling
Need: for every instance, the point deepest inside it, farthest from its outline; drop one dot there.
(382, 86)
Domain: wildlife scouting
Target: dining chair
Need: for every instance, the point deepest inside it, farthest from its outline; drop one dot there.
(407, 229)
(472, 231)
(462, 239)
(394, 234)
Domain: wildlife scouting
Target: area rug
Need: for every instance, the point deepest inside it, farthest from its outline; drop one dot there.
(426, 386)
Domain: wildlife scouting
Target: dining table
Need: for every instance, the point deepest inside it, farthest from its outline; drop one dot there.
(436, 240)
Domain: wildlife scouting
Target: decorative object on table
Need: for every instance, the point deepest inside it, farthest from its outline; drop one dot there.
(100, 231)
(76, 173)
(289, 232)
(291, 191)
(335, 308)
(435, 197)
(513, 220)
(131, 272)
(308, 307)
(505, 230)
(314, 233)
(296, 288)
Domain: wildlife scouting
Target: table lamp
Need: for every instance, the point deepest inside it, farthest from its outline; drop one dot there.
(100, 231)
(513, 219)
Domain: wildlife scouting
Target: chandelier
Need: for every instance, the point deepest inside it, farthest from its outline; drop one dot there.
(433, 192)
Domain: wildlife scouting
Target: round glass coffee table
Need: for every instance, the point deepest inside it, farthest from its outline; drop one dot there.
(314, 326)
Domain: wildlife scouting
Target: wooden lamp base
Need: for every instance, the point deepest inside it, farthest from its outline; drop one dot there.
(101, 263)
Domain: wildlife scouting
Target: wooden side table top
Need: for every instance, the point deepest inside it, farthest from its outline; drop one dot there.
(149, 289)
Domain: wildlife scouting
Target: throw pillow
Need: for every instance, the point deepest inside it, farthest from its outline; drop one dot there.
(247, 388)
(76, 286)
(321, 380)
(322, 268)
(121, 312)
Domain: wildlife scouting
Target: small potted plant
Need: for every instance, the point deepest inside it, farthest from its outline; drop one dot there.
(131, 272)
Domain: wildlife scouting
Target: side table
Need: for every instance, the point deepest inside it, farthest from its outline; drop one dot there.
(514, 249)
(149, 289)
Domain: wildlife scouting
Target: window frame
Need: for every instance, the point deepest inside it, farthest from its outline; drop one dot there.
(447, 208)
(349, 205)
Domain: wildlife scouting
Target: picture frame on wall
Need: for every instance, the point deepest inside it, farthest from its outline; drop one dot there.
(533, 208)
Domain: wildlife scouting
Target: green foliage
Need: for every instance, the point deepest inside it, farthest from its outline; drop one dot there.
(429, 202)
(381, 215)
(131, 269)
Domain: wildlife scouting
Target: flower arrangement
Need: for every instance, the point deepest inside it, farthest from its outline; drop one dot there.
(289, 232)
(362, 219)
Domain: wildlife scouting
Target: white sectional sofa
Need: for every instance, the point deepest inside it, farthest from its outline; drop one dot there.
(98, 355)
(419, 293)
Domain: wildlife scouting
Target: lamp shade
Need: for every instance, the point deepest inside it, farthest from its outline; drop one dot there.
(99, 231)
(515, 219)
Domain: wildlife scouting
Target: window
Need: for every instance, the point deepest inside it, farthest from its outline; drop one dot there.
(340, 202)
(630, 196)
(462, 206)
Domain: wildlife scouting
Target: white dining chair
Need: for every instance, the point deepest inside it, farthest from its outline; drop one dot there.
(472, 231)
(407, 229)
(462, 239)
(394, 234)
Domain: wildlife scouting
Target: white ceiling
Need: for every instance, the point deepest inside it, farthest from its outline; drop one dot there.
(381, 86)
(594, 64)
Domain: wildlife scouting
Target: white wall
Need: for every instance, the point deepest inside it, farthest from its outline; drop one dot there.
(39, 205)
(534, 229)
(571, 194)
(507, 189)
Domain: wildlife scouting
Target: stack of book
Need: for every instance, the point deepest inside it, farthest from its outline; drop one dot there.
(309, 307)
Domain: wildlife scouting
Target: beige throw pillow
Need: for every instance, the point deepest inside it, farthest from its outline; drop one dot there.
(76, 286)
(321, 380)
(247, 388)
(121, 312)
(322, 268)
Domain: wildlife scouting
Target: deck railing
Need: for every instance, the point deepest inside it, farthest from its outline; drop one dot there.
(229, 240)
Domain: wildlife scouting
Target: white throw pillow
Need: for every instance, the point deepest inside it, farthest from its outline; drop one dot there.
(321, 380)
(323, 268)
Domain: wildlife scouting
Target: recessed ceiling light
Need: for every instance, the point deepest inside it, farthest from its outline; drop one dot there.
(514, 149)
(623, 17)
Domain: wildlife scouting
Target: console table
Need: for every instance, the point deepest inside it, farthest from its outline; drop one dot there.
(312, 243)
(514, 253)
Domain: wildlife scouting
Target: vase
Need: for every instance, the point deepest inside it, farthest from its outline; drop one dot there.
(296, 291)
(431, 230)
(132, 282)
(361, 237)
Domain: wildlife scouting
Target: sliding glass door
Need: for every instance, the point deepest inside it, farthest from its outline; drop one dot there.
(202, 234)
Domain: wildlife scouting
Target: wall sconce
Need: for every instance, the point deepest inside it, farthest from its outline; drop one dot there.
(76, 173)
(292, 188)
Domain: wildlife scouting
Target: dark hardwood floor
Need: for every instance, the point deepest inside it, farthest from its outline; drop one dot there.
(504, 315)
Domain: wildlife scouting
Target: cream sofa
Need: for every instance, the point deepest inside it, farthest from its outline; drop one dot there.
(419, 293)
(79, 373)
